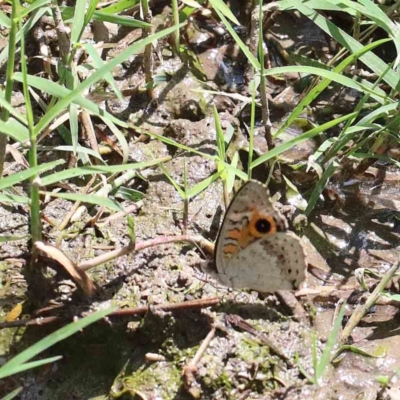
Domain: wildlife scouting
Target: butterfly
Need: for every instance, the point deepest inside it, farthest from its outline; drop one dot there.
(254, 248)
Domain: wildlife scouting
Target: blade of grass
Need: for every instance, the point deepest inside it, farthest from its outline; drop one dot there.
(11, 110)
(97, 62)
(370, 59)
(307, 135)
(4, 239)
(74, 172)
(172, 142)
(119, 6)
(224, 9)
(253, 60)
(35, 220)
(15, 130)
(362, 309)
(34, 364)
(4, 20)
(11, 198)
(68, 12)
(86, 198)
(253, 88)
(363, 86)
(77, 25)
(90, 11)
(174, 183)
(28, 25)
(317, 90)
(204, 184)
(56, 90)
(319, 187)
(13, 394)
(330, 344)
(80, 150)
(43, 344)
(120, 137)
(91, 80)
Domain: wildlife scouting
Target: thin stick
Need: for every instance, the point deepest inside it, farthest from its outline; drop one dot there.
(103, 258)
(362, 309)
(67, 218)
(193, 304)
(190, 369)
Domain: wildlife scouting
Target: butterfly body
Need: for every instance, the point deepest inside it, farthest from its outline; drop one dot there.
(254, 248)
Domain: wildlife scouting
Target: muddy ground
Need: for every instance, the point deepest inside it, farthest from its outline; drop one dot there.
(144, 357)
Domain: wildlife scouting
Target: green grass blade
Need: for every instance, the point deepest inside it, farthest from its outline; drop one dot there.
(87, 198)
(90, 11)
(34, 364)
(224, 9)
(19, 177)
(131, 229)
(119, 6)
(253, 88)
(120, 20)
(12, 198)
(56, 90)
(97, 62)
(230, 176)
(381, 112)
(95, 77)
(77, 25)
(204, 184)
(34, 6)
(302, 369)
(362, 86)
(10, 238)
(371, 60)
(220, 135)
(74, 126)
(68, 12)
(319, 187)
(172, 142)
(301, 138)
(52, 339)
(120, 137)
(242, 175)
(13, 394)
(80, 150)
(174, 183)
(330, 344)
(253, 60)
(4, 20)
(27, 27)
(317, 90)
(81, 171)
(11, 110)
(15, 130)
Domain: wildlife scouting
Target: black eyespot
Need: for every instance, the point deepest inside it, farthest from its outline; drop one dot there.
(263, 225)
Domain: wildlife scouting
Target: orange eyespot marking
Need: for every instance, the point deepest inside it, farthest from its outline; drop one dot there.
(261, 225)
(230, 249)
(234, 234)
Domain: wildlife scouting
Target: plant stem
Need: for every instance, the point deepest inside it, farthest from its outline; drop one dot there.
(263, 84)
(36, 226)
(175, 12)
(9, 81)
(148, 51)
(362, 309)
